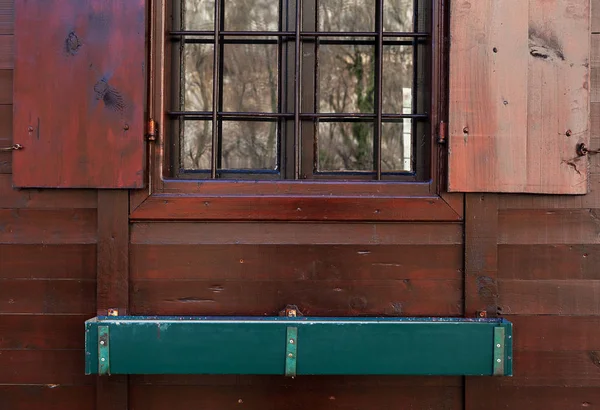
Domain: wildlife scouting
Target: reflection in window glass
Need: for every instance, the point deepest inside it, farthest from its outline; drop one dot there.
(345, 146)
(249, 145)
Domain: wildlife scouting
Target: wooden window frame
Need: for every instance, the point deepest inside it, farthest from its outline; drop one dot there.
(288, 200)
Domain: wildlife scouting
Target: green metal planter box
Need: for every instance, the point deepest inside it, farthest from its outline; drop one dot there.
(298, 346)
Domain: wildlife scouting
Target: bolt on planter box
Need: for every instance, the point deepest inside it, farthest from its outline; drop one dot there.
(298, 346)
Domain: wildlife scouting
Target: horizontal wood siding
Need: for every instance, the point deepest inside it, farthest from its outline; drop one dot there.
(47, 276)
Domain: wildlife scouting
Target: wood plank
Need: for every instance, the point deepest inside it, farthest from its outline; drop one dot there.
(293, 208)
(595, 16)
(481, 267)
(48, 261)
(304, 382)
(295, 262)
(539, 262)
(481, 254)
(556, 333)
(5, 138)
(6, 83)
(112, 290)
(7, 58)
(7, 17)
(13, 198)
(548, 227)
(56, 367)
(27, 226)
(179, 233)
(549, 297)
(560, 369)
(534, 398)
(42, 332)
(483, 130)
(47, 296)
(316, 298)
(319, 396)
(85, 109)
(519, 103)
(47, 397)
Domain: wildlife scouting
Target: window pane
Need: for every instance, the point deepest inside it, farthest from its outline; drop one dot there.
(250, 77)
(398, 15)
(345, 146)
(198, 77)
(251, 15)
(397, 79)
(396, 146)
(196, 145)
(198, 15)
(346, 15)
(346, 78)
(249, 145)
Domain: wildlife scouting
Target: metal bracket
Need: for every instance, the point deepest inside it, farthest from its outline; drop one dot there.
(499, 340)
(103, 351)
(291, 352)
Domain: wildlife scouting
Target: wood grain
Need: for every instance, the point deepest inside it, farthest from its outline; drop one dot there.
(296, 233)
(48, 261)
(42, 332)
(7, 8)
(319, 298)
(112, 291)
(295, 262)
(6, 87)
(549, 297)
(47, 367)
(81, 118)
(318, 397)
(47, 397)
(534, 398)
(290, 208)
(541, 262)
(66, 226)
(43, 198)
(7, 59)
(539, 333)
(519, 96)
(47, 296)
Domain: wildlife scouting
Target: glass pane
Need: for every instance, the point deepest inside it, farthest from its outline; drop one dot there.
(346, 15)
(251, 15)
(249, 145)
(198, 15)
(398, 15)
(198, 77)
(397, 79)
(346, 78)
(396, 146)
(345, 146)
(250, 77)
(196, 145)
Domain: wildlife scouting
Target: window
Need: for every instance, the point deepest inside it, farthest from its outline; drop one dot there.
(338, 89)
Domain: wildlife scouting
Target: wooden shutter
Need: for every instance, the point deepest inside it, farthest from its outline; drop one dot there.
(519, 95)
(79, 89)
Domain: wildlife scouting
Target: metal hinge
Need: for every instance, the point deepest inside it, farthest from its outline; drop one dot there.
(151, 132)
(442, 135)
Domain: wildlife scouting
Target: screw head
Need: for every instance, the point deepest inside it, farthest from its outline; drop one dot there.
(103, 359)
(102, 342)
(499, 360)
(290, 355)
(498, 345)
(291, 341)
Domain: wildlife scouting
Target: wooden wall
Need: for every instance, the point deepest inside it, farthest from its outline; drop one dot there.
(547, 262)
(47, 277)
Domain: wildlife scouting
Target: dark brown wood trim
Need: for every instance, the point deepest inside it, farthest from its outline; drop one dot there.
(481, 271)
(294, 208)
(112, 282)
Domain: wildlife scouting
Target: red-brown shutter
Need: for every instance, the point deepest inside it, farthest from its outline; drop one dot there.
(519, 95)
(79, 87)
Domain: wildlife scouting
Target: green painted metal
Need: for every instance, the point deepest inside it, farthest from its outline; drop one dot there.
(499, 356)
(103, 350)
(330, 346)
(291, 352)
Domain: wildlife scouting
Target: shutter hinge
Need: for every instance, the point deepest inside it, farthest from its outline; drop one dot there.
(151, 133)
(442, 132)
